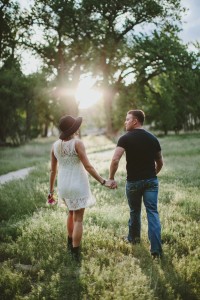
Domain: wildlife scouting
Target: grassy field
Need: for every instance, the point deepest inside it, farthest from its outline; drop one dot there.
(31, 154)
(33, 256)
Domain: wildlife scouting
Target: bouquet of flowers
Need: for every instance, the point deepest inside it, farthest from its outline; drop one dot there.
(51, 200)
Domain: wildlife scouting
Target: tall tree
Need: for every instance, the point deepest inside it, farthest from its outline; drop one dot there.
(166, 79)
(25, 106)
(11, 113)
(10, 26)
(37, 105)
(94, 34)
(62, 45)
(10, 72)
(115, 23)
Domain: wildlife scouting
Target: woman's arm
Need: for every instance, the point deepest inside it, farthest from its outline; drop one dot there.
(80, 149)
(53, 172)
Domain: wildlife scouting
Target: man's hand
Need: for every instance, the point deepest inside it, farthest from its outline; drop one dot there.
(158, 162)
(111, 184)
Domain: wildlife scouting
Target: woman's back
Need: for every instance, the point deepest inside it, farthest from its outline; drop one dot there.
(73, 184)
(65, 152)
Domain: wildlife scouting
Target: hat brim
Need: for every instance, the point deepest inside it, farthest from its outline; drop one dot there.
(72, 129)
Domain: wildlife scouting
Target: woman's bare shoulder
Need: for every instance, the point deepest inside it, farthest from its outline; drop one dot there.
(79, 144)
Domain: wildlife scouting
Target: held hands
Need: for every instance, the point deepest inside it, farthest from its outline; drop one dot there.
(111, 184)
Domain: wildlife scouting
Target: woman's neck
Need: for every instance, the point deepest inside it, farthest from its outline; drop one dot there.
(69, 138)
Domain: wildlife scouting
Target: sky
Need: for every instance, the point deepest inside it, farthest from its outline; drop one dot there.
(189, 34)
(191, 27)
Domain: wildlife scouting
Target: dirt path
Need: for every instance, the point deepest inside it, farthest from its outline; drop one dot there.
(20, 174)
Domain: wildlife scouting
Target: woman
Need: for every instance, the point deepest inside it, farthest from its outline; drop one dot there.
(73, 185)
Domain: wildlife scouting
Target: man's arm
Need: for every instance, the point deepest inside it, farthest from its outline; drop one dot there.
(158, 162)
(119, 151)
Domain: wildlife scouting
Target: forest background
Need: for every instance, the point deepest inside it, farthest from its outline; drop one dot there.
(106, 42)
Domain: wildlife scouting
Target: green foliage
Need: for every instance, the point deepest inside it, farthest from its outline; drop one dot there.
(35, 263)
(175, 96)
(126, 100)
(75, 38)
(38, 107)
(63, 48)
(11, 86)
(111, 43)
(24, 104)
(9, 31)
(83, 36)
(166, 82)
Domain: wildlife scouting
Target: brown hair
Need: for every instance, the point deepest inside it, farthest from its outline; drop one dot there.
(138, 114)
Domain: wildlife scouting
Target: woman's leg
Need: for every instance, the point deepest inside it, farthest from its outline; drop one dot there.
(78, 227)
(70, 227)
(70, 224)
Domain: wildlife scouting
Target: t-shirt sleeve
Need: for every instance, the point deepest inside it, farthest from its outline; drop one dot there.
(158, 148)
(122, 142)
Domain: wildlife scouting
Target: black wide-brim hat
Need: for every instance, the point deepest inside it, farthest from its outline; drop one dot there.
(69, 125)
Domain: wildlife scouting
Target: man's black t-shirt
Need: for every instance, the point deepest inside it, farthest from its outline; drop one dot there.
(141, 149)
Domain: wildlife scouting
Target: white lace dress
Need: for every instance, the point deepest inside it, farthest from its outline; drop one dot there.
(72, 181)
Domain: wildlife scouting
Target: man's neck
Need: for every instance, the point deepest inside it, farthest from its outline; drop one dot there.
(138, 127)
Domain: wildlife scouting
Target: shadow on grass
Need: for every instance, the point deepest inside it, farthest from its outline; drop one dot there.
(70, 286)
(165, 281)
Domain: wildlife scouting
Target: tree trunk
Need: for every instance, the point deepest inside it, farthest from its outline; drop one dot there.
(108, 101)
(72, 106)
(28, 121)
(69, 104)
(46, 129)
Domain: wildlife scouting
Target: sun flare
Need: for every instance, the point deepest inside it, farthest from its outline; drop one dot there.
(86, 95)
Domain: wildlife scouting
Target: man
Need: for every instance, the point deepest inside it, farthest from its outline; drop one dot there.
(143, 163)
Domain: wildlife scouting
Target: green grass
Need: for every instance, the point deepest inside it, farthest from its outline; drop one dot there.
(35, 263)
(31, 154)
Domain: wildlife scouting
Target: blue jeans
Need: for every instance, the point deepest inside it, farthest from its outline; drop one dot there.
(148, 190)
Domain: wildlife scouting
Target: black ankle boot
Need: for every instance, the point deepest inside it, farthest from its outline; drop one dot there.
(76, 253)
(69, 243)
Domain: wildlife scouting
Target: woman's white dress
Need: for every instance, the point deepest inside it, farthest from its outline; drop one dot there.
(72, 181)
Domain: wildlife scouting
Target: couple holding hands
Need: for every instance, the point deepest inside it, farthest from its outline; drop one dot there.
(144, 161)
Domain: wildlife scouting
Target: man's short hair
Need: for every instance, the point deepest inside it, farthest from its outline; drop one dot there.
(138, 114)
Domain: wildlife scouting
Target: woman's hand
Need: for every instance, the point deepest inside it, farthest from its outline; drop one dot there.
(111, 183)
